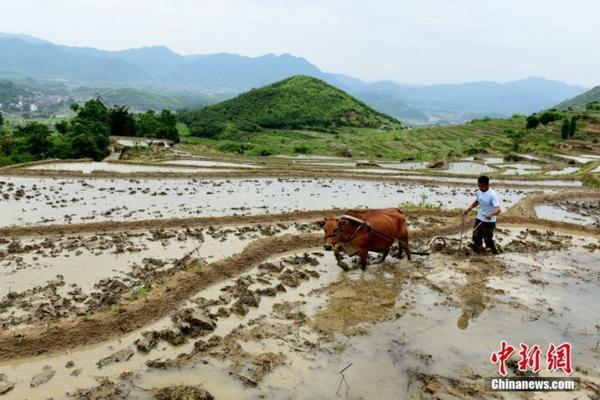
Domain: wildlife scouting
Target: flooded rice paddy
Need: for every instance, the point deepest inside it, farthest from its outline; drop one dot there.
(121, 168)
(27, 201)
(263, 322)
(288, 326)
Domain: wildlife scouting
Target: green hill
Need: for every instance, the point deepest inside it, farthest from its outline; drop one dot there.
(299, 102)
(581, 101)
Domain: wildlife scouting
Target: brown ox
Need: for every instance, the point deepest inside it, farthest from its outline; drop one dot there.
(361, 231)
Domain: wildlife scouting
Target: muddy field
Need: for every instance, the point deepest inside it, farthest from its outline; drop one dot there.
(100, 299)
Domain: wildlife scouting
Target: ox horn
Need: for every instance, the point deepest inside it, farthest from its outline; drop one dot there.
(351, 218)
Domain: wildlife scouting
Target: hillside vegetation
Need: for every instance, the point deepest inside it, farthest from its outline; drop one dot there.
(299, 102)
(589, 99)
(499, 136)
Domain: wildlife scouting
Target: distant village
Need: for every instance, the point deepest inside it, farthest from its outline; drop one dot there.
(40, 104)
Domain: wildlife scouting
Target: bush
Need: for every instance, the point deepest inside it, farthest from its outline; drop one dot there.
(35, 137)
(593, 105)
(550, 116)
(301, 149)
(532, 121)
(233, 147)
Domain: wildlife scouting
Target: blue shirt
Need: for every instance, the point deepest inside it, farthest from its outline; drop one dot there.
(488, 201)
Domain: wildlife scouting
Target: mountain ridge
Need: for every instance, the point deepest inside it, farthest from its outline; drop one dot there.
(230, 74)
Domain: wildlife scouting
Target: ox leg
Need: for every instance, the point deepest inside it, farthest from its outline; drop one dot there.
(383, 256)
(405, 246)
(364, 257)
(400, 253)
(339, 259)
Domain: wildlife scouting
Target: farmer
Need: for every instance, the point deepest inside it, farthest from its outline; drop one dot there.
(489, 207)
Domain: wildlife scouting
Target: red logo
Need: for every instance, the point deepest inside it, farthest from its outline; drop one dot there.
(502, 356)
(557, 357)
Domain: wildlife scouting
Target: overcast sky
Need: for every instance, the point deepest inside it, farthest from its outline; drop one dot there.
(407, 41)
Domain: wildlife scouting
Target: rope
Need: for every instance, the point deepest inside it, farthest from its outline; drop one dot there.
(462, 227)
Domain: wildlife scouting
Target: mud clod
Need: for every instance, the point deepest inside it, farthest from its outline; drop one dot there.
(6, 387)
(43, 377)
(119, 356)
(147, 342)
(183, 393)
(106, 389)
(194, 322)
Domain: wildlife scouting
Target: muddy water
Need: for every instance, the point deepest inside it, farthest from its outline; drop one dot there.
(558, 214)
(519, 169)
(90, 167)
(377, 171)
(85, 263)
(84, 267)
(468, 168)
(493, 160)
(85, 358)
(472, 303)
(564, 171)
(584, 213)
(210, 163)
(27, 201)
(385, 360)
(407, 165)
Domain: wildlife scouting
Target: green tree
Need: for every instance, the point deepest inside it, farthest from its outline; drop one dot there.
(61, 126)
(565, 129)
(6, 142)
(121, 122)
(1, 120)
(167, 126)
(147, 124)
(573, 126)
(89, 139)
(35, 139)
(92, 110)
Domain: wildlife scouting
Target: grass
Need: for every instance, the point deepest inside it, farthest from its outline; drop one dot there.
(406, 144)
(140, 292)
(422, 205)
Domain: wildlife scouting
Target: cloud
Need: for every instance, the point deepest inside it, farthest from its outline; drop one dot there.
(414, 41)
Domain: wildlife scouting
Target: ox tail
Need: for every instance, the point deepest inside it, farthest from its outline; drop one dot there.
(403, 237)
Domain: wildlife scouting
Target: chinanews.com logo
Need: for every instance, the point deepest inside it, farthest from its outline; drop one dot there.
(557, 358)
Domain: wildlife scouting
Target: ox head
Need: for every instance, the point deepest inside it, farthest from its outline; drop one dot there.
(332, 228)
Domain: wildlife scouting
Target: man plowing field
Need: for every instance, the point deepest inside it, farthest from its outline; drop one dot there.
(485, 223)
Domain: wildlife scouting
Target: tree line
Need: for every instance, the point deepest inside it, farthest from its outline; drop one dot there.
(86, 135)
